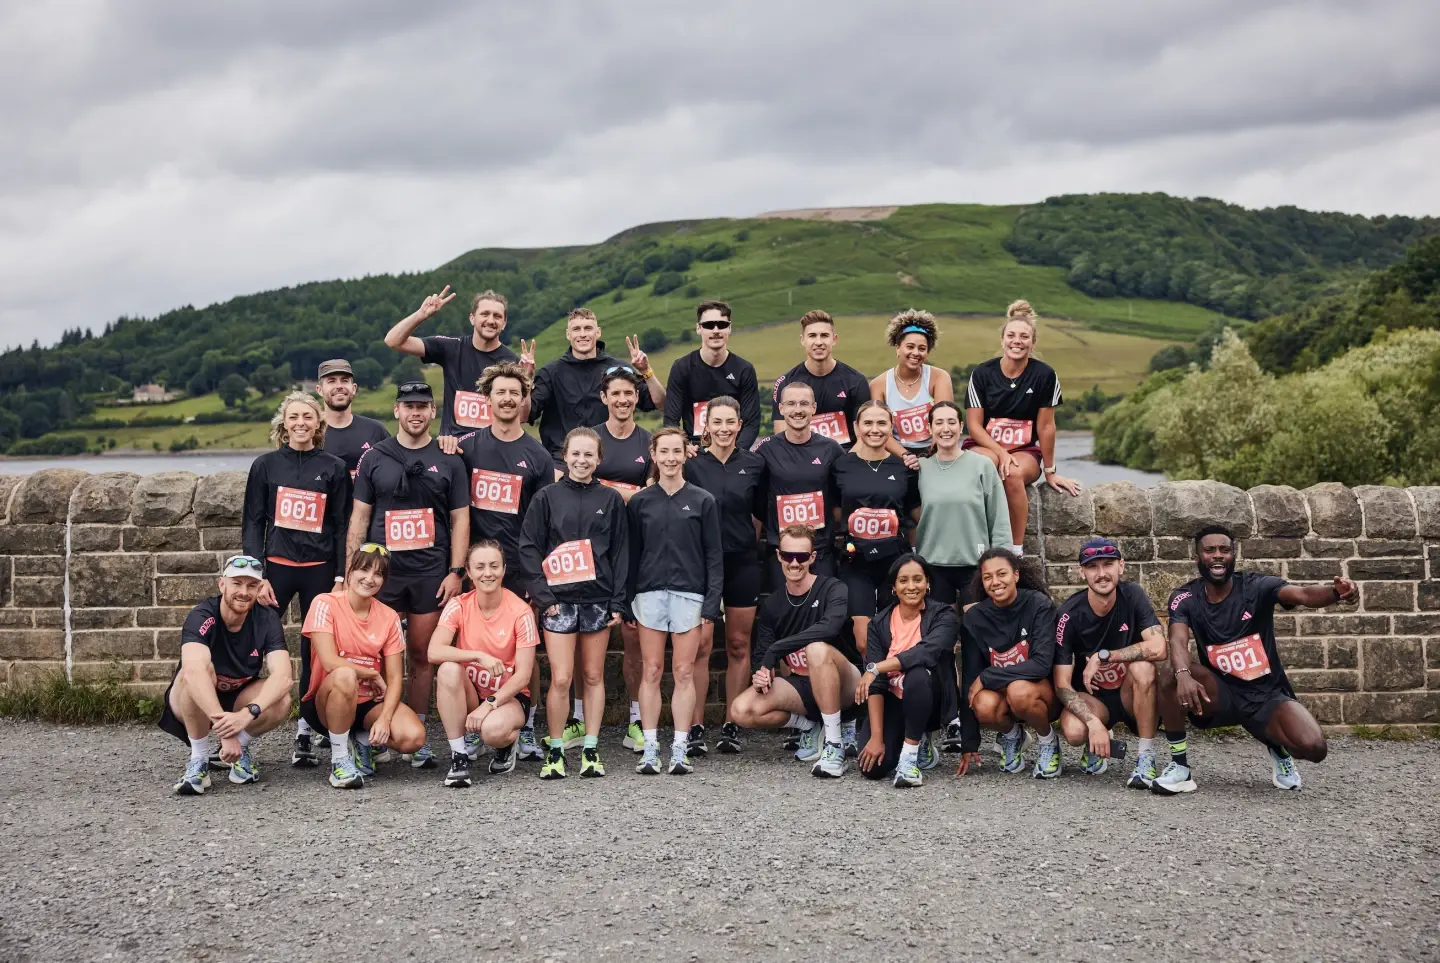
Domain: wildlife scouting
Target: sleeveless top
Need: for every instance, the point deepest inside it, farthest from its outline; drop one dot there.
(911, 415)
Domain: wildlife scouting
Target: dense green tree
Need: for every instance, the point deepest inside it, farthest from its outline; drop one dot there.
(233, 389)
(368, 373)
(653, 339)
(667, 282)
(406, 369)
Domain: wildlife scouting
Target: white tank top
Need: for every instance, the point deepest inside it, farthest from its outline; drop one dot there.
(912, 415)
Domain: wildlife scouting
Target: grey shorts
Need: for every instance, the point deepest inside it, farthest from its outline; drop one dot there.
(577, 617)
(666, 611)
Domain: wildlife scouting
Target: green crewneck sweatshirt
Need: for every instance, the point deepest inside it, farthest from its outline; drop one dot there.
(962, 509)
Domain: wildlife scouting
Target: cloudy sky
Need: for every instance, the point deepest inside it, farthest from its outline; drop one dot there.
(162, 153)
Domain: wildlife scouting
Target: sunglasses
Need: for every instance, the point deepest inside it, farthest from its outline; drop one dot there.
(796, 558)
(413, 386)
(620, 367)
(243, 561)
(720, 325)
(371, 548)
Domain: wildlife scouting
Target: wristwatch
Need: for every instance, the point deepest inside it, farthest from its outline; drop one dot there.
(492, 701)
(458, 570)
(870, 668)
(1103, 654)
(254, 710)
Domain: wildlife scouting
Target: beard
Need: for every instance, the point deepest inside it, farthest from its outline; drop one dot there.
(334, 407)
(1210, 577)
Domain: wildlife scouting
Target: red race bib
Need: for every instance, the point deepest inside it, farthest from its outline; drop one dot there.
(699, 417)
(912, 425)
(300, 510)
(495, 491)
(1108, 675)
(225, 683)
(1010, 432)
(621, 487)
(799, 663)
(1244, 658)
(410, 529)
(366, 691)
(1017, 653)
(485, 684)
(570, 562)
(897, 684)
(832, 425)
(874, 523)
(471, 410)
(807, 508)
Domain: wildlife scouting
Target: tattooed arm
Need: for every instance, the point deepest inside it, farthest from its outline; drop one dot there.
(1097, 733)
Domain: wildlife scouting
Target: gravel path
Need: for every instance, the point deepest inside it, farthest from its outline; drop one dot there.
(750, 858)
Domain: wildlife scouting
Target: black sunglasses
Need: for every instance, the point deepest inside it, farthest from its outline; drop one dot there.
(619, 367)
(413, 386)
(796, 557)
(720, 325)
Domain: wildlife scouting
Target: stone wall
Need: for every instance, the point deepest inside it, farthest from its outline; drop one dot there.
(97, 573)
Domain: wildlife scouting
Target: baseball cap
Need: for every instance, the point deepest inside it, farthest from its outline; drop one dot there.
(336, 366)
(242, 566)
(414, 391)
(1096, 549)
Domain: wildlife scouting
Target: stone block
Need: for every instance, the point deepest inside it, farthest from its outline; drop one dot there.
(171, 539)
(1392, 664)
(105, 497)
(7, 567)
(49, 618)
(1367, 569)
(1325, 680)
(1427, 511)
(1312, 625)
(102, 618)
(106, 581)
(16, 618)
(39, 565)
(1376, 547)
(184, 589)
(32, 539)
(1158, 582)
(1342, 653)
(8, 485)
(1432, 654)
(1067, 574)
(46, 591)
(1271, 548)
(1388, 512)
(45, 496)
(221, 540)
(113, 671)
(148, 690)
(1064, 514)
(1327, 709)
(220, 498)
(1279, 511)
(1266, 566)
(1302, 653)
(1387, 596)
(32, 644)
(188, 563)
(34, 673)
(1184, 507)
(1176, 549)
(1137, 548)
(95, 538)
(1121, 508)
(163, 617)
(1313, 569)
(163, 499)
(1284, 626)
(1391, 708)
(1334, 510)
(113, 644)
(154, 671)
(1432, 679)
(1427, 595)
(1329, 547)
(1063, 548)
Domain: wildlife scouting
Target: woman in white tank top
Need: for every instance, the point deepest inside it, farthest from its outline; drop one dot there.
(912, 386)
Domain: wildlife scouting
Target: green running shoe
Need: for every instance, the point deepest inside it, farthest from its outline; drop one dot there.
(196, 779)
(554, 767)
(244, 770)
(590, 765)
(1047, 763)
(1094, 765)
(423, 759)
(344, 774)
(634, 738)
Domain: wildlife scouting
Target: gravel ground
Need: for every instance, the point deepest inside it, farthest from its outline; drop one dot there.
(749, 858)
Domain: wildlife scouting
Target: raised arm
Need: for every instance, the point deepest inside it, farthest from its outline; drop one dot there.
(401, 337)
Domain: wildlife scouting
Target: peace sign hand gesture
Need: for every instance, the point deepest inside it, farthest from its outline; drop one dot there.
(435, 302)
(638, 359)
(527, 354)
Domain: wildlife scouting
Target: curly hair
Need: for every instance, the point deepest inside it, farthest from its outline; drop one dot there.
(505, 369)
(895, 331)
(279, 436)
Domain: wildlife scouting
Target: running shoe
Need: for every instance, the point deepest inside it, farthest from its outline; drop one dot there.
(459, 774)
(810, 742)
(680, 764)
(953, 738)
(650, 762)
(697, 745)
(729, 741)
(474, 745)
(1047, 763)
(908, 774)
(1173, 781)
(215, 761)
(196, 779)
(345, 775)
(1285, 774)
(590, 765)
(303, 756)
(504, 761)
(1145, 771)
(634, 738)
(554, 767)
(423, 759)
(574, 734)
(322, 740)
(831, 764)
(1012, 750)
(791, 740)
(244, 770)
(850, 739)
(929, 755)
(529, 749)
(386, 754)
(1094, 765)
(364, 755)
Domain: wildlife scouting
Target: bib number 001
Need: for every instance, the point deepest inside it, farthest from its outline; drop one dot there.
(410, 529)
(570, 562)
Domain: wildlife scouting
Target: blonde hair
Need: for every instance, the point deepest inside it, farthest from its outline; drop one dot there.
(489, 295)
(719, 401)
(581, 313)
(670, 431)
(582, 433)
(1020, 310)
(911, 318)
(279, 436)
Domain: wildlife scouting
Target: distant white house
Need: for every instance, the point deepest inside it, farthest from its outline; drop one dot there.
(153, 394)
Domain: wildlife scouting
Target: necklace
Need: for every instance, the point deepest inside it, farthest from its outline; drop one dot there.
(911, 383)
(874, 466)
(803, 599)
(946, 465)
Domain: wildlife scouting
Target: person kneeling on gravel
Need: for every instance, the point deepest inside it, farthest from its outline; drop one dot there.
(224, 643)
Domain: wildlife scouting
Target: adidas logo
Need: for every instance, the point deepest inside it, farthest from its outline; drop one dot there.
(599, 511)
(891, 478)
(815, 604)
(254, 653)
(1029, 391)
(815, 462)
(1124, 627)
(1023, 633)
(729, 377)
(317, 478)
(434, 469)
(641, 459)
(742, 471)
(840, 395)
(521, 464)
(684, 508)
(1245, 617)
(874, 551)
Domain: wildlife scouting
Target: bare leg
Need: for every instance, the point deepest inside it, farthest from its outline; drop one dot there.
(560, 648)
(1138, 695)
(700, 670)
(738, 625)
(593, 646)
(682, 666)
(455, 698)
(422, 673)
(652, 657)
(1293, 727)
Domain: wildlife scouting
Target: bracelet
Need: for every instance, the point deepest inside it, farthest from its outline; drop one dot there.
(1178, 671)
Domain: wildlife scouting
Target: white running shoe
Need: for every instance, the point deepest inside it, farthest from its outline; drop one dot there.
(810, 742)
(1285, 774)
(908, 774)
(831, 764)
(1173, 781)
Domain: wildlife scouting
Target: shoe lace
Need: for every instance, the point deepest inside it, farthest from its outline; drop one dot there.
(591, 754)
(197, 768)
(1286, 765)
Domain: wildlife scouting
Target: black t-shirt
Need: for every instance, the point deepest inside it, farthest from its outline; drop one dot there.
(236, 656)
(435, 485)
(693, 383)
(838, 396)
(1080, 633)
(738, 485)
(462, 364)
(354, 440)
(625, 460)
(875, 502)
(797, 486)
(1012, 643)
(1235, 636)
(504, 476)
(1015, 401)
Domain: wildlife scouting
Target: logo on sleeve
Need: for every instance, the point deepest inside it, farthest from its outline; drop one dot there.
(434, 469)
(207, 625)
(815, 462)
(1175, 602)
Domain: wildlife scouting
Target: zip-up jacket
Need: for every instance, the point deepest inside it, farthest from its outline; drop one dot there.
(570, 512)
(567, 395)
(295, 507)
(991, 650)
(738, 485)
(783, 627)
(676, 544)
(939, 629)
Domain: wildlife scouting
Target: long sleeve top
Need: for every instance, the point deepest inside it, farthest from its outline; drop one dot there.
(588, 524)
(296, 505)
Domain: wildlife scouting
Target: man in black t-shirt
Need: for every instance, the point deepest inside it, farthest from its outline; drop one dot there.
(797, 481)
(1238, 680)
(1106, 641)
(710, 372)
(348, 436)
(839, 389)
(225, 642)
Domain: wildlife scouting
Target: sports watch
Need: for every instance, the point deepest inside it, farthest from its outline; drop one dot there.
(870, 668)
(254, 710)
(1103, 654)
(458, 570)
(492, 700)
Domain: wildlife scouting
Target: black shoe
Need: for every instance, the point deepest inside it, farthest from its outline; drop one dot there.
(459, 774)
(303, 755)
(792, 739)
(503, 761)
(729, 741)
(951, 742)
(697, 745)
(322, 740)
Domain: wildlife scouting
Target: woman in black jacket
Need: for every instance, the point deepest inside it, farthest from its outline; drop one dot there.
(909, 680)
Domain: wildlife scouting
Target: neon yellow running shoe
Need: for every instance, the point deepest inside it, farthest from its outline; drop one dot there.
(590, 764)
(574, 734)
(554, 767)
(634, 738)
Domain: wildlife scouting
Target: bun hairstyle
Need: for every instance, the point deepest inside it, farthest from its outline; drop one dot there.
(670, 431)
(906, 321)
(583, 433)
(720, 401)
(873, 403)
(1020, 311)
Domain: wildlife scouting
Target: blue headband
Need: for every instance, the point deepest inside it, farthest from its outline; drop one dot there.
(914, 329)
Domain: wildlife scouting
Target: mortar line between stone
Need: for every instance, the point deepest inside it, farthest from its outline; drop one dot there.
(65, 587)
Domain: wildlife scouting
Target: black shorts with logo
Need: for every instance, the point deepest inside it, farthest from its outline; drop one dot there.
(175, 725)
(742, 580)
(412, 594)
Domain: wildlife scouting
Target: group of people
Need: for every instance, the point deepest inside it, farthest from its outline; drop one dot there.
(864, 560)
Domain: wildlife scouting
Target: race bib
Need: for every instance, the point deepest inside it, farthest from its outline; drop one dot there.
(1017, 653)
(699, 417)
(298, 509)
(832, 425)
(495, 491)
(485, 684)
(410, 529)
(366, 690)
(874, 523)
(1244, 658)
(912, 425)
(225, 683)
(570, 562)
(798, 662)
(620, 487)
(472, 410)
(897, 684)
(1108, 675)
(1010, 432)
(807, 508)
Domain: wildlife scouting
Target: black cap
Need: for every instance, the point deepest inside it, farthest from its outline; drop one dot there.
(1096, 549)
(414, 391)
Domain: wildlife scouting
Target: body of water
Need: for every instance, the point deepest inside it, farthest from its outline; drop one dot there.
(1071, 451)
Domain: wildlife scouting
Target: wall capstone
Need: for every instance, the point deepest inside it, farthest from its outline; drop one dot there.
(1121, 508)
(104, 497)
(1334, 510)
(1388, 511)
(1061, 514)
(220, 498)
(1279, 511)
(45, 496)
(1427, 510)
(1185, 506)
(163, 499)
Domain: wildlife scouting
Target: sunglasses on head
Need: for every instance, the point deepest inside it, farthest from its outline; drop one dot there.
(715, 325)
(620, 367)
(411, 386)
(795, 558)
(243, 561)
(371, 548)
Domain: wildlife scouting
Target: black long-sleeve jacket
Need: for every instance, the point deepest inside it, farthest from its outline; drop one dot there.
(568, 511)
(1001, 645)
(306, 522)
(782, 627)
(939, 629)
(676, 544)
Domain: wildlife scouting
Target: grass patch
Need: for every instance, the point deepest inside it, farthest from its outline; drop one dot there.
(54, 699)
(1394, 733)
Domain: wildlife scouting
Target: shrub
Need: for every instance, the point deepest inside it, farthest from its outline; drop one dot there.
(679, 259)
(1170, 356)
(653, 339)
(667, 282)
(634, 277)
(53, 699)
(50, 445)
(653, 262)
(232, 389)
(742, 235)
(189, 444)
(693, 291)
(805, 279)
(719, 251)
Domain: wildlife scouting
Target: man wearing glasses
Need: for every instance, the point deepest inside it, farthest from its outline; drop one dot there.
(797, 480)
(709, 372)
(225, 642)
(567, 390)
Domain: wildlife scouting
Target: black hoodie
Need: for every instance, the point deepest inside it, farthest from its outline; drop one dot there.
(570, 512)
(567, 395)
(289, 494)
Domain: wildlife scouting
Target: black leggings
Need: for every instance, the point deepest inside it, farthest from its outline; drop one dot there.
(308, 582)
(920, 710)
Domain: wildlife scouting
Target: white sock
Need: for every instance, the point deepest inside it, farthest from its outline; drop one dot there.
(652, 737)
(577, 709)
(302, 728)
(799, 722)
(243, 738)
(1149, 745)
(364, 737)
(634, 712)
(1019, 550)
(339, 746)
(200, 748)
(831, 721)
(1016, 731)
(681, 742)
(457, 746)
(530, 718)
(1051, 737)
(909, 753)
